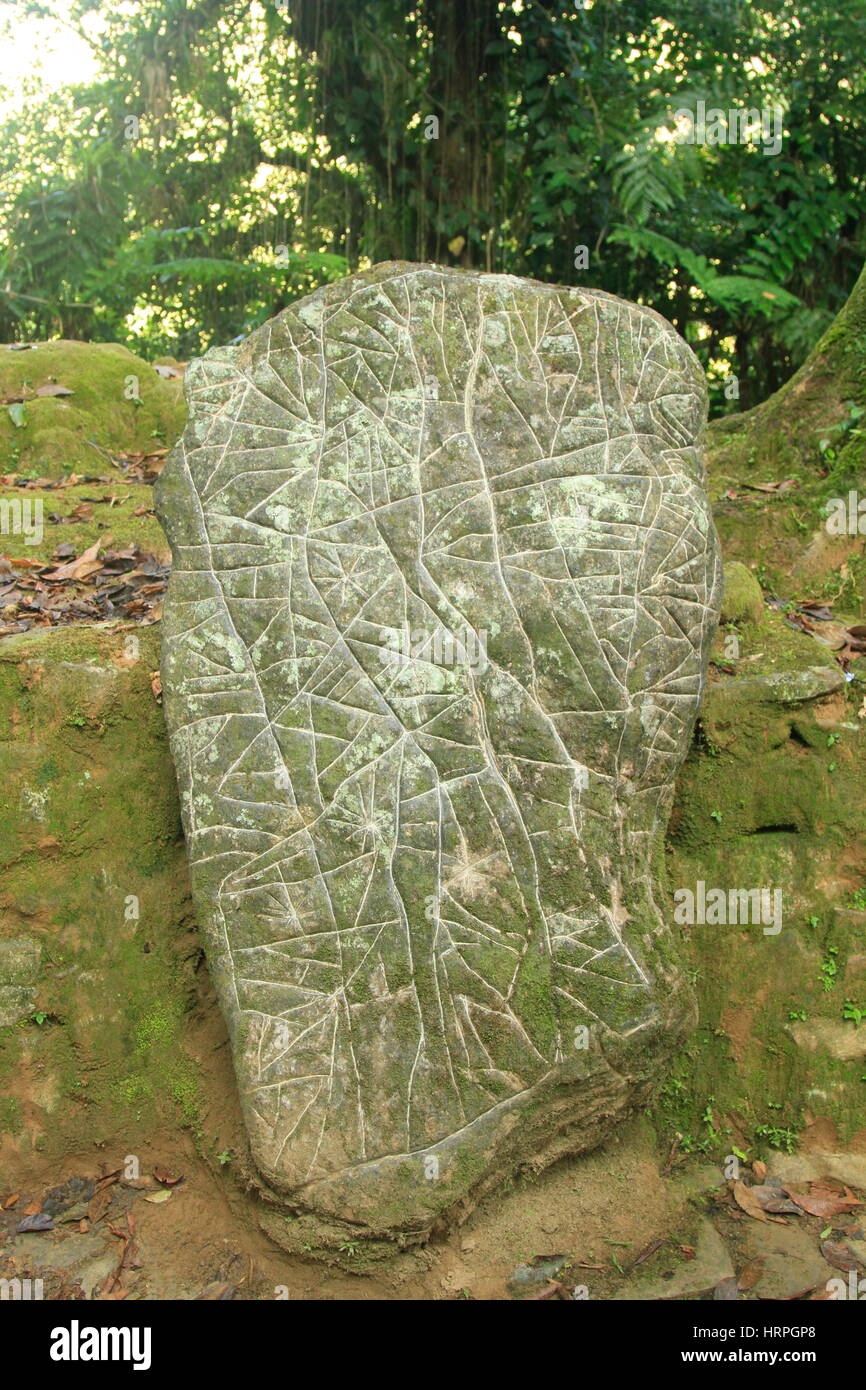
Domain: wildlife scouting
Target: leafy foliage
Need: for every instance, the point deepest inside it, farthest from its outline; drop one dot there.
(278, 146)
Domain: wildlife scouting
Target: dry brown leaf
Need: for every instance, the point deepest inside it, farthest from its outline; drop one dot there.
(839, 1256)
(821, 1201)
(784, 486)
(726, 1291)
(750, 1274)
(86, 564)
(747, 1201)
(830, 634)
(645, 1253)
(774, 1199)
(99, 1204)
(164, 1176)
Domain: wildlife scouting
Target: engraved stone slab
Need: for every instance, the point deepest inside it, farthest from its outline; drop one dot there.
(445, 579)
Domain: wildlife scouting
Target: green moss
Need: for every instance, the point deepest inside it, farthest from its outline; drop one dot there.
(534, 1000)
(158, 1027)
(10, 1116)
(770, 796)
(93, 867)
(131, 1091)
(743, 601)
(76, 433)
(185, 1091)
(111, 520)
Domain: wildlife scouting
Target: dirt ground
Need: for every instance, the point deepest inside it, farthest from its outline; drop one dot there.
(608, 1225)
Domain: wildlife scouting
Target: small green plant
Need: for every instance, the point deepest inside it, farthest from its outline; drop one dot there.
(829, 450)
(716, 816)
(830, 969)
(705, 743)
(709, 1122)
(797, 1015)
(39, 1018)
(762, 575)
(855, 1012)
(349, 1249)
(225, 1157)
(777, 1138)
(858, 899)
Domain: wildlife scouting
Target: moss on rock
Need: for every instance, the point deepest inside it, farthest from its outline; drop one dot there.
(94, 904)
(119, 405)
(771, 797)
(809, 436)
(783, 431)
(743, 601)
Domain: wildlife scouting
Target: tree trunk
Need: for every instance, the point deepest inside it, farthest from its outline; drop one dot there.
(785, 431)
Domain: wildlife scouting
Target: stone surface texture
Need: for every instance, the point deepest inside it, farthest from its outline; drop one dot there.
(445, 580)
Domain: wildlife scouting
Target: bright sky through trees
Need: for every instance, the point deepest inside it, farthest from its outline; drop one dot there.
(38, 52)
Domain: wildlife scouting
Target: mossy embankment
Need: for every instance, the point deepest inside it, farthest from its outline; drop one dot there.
(98, 952)
(783, 432)
(772, 793)
(811, 437)
(117, 512)
(771, 797)
(117, 404)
